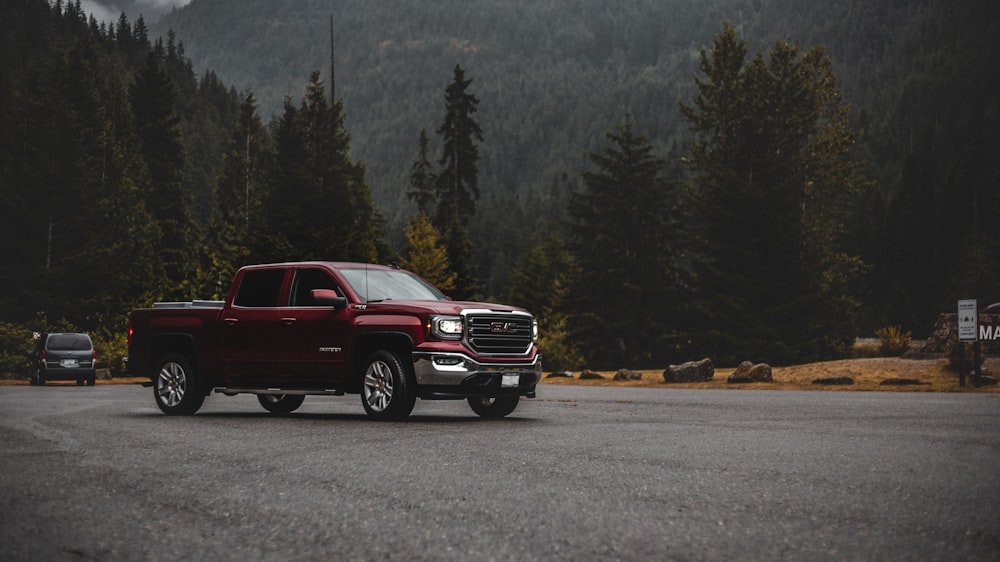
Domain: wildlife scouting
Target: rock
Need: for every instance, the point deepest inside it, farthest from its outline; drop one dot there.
(748, 372)
(627, 375)
(587, 374)
(834, 381)
(692, 371)
(563, 374)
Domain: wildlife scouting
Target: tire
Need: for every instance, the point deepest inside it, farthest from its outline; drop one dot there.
(176, 387)
(388, 390)
(79, 382)
(41, 379)
(92, 381)
(493, 408)
(280, 403)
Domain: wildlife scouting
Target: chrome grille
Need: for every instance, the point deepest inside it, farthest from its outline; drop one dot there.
(499, 334)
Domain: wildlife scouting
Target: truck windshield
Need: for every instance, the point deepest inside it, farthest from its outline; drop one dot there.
(374, 285)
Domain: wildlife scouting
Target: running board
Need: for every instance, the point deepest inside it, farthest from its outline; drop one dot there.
(277, 391)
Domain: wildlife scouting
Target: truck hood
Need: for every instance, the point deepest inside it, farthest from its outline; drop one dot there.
(436, 307)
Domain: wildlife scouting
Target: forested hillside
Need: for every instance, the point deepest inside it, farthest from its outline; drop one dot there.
(554, 76)
(765, 189)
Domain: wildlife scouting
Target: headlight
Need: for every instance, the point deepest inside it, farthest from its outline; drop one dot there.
(534, 331)
(446, 327)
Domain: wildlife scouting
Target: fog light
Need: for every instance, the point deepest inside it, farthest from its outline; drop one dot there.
(447, 361)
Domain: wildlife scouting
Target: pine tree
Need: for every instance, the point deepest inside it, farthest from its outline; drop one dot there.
(425, 255)
(239, 190)
(622, 241)
(422, 178)
(157, 126)
(457, 182)
(775, 184)
(319, 206)
(540, 282)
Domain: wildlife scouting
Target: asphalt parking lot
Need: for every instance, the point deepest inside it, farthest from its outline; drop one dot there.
(581, 473)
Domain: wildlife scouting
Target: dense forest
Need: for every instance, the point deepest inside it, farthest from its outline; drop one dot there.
(846, 183)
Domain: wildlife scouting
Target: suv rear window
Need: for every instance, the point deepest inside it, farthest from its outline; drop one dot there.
(68, 342)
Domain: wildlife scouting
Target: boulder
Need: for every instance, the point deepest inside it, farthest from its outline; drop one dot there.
(749, 372)
(563, 375)
(627, 375)
(692, 371)
(587, 374)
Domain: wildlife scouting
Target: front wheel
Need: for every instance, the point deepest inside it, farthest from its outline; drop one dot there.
(388, 391)
(280, 403)
(493, 407)
(176, 387)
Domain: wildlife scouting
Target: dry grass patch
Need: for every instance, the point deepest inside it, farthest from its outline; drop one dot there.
(868, 374)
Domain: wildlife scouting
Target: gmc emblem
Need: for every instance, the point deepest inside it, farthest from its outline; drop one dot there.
(503, 327)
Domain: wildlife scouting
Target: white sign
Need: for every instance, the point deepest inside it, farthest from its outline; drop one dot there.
(967, 320)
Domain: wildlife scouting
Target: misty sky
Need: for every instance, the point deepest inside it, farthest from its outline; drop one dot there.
(150, 10)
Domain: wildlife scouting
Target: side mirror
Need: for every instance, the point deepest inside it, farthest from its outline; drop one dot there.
(328, 297)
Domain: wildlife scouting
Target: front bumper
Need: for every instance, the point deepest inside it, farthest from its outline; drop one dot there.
(448, 375)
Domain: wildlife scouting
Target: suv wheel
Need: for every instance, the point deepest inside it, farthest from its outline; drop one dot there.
(388, 390)
(493, 408)
(280, 403)
(176, 387)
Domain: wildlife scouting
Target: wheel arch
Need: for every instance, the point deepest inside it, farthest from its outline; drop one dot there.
(365, 344)
(180, 344)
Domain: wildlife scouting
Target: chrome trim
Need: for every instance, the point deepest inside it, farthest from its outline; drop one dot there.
(451, 369)
(467, 329)
(276, 391)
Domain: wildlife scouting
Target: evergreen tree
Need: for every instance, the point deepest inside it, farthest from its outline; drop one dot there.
(157, 126)
(319, 206)
(422, 178)
(425, 255)
(775, 183)
(239, 190)
(622, 240)
(457, 182)
(540, 282)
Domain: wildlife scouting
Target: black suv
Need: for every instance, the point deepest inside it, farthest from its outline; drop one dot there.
(67, 357)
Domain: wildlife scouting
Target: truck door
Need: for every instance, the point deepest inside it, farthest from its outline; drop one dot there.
(249, 326)
(312, 336)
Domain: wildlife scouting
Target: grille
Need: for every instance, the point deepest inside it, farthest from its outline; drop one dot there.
(499, 334)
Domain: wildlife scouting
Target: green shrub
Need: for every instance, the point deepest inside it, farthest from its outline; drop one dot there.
(893, 341)
(111, 347)
(16, 348)
(955, 352)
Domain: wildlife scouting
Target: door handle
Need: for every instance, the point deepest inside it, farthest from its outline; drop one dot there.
(288, 321)
(230, 321)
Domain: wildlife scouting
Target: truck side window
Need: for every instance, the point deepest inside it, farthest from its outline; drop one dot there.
(305, 281)
(260, 288)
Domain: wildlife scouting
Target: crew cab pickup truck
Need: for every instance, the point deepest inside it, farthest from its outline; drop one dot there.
(289, 330)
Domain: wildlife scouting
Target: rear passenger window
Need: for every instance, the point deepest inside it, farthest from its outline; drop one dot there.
(260, 288)
(305, 281)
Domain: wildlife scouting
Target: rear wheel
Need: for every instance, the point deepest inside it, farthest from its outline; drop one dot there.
(176, 387)
(280, 403)
(493, 407)
(388, 391)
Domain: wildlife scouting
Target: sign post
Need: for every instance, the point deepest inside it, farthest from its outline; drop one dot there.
(968, 331)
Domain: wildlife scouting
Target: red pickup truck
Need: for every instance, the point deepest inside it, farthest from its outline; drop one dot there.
(289, 330)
